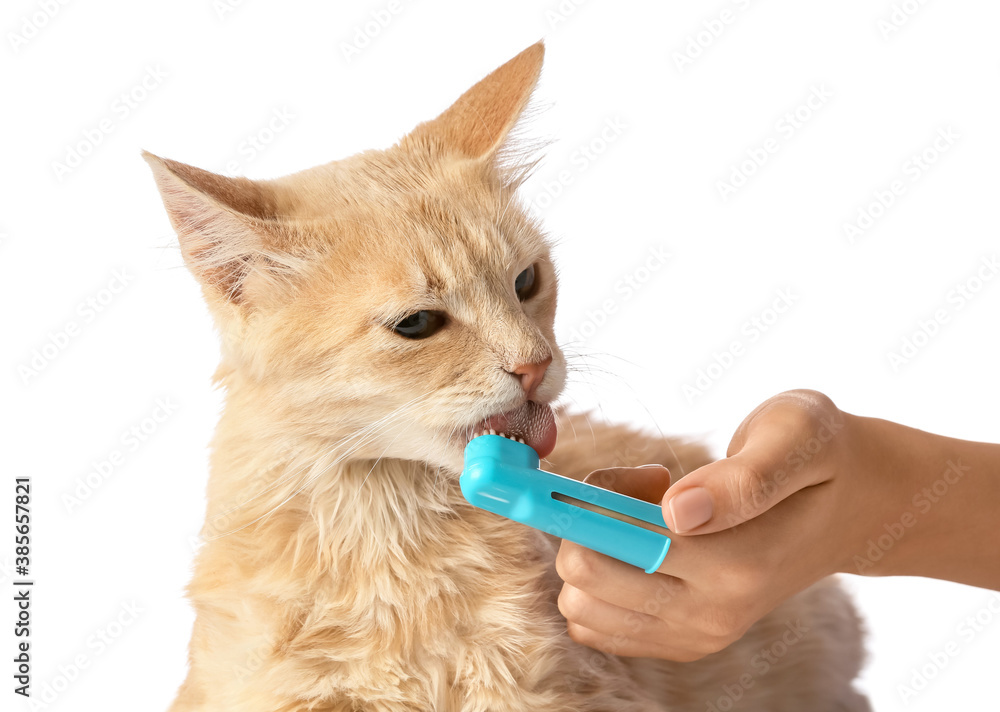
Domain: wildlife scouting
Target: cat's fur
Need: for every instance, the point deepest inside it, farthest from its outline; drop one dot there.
(342, 569)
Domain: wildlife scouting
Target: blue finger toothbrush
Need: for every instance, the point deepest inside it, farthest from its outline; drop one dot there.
(503, 476)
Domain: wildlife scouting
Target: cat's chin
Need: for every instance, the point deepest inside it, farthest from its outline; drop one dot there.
(532, 422)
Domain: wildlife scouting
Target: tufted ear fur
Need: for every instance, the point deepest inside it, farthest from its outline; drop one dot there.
(226, 227)
(478, 123)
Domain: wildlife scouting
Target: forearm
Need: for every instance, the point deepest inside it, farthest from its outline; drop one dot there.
(930, 504)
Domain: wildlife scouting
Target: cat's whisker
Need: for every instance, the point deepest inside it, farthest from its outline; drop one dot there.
(361, 438)
(586, 414)
(372, 468)
(291, 474)
(511, 199)
(595, 355)
(370, 432)
(395, 414)
(310, 479)
(589, 369)
(586, 360)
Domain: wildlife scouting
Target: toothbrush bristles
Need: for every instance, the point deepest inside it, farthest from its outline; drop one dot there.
(493, 431)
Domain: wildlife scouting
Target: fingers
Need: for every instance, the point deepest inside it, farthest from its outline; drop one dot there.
(729, 492)
(623, 627)
(619, 609)
(608, 579)
(801, 405)
(766, 464)
(614, 644)
(600, 616)
(647, 483)
(628, 646)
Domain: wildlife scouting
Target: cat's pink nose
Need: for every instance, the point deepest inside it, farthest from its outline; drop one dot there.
(531, 375)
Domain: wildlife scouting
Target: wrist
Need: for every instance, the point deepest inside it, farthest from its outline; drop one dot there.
(921, 502)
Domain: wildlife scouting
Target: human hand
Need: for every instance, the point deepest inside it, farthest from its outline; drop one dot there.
(789, 505)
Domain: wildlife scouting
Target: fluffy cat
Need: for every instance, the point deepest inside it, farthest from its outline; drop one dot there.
(373, 312)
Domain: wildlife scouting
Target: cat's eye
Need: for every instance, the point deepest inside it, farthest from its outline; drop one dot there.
(525, 284)
(419, 325)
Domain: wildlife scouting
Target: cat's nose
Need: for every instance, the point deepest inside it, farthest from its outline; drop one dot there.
(531, 375)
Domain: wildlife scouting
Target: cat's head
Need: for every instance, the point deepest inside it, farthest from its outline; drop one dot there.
(399, 300)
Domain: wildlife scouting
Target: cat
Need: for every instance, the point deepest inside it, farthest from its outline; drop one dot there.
(374, 314)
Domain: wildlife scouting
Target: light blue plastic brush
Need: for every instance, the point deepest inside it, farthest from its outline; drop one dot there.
(503, 476)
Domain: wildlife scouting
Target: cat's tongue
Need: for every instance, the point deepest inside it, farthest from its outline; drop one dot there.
(532, 422)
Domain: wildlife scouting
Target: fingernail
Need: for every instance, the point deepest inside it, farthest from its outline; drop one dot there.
(690, 509)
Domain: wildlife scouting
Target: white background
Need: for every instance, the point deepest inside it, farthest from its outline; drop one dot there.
(62, 236)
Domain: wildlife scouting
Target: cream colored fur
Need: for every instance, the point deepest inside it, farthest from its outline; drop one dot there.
(342, 569)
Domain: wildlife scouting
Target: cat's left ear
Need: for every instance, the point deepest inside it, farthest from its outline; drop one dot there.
(477, 125)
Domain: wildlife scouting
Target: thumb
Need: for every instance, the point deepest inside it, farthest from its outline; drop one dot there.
(729, 492)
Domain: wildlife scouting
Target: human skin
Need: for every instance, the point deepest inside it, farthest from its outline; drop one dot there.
(806, 490)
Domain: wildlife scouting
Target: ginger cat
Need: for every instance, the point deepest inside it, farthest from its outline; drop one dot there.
(373, 312)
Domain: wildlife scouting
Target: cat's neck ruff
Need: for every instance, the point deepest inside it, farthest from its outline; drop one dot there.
(379, 511)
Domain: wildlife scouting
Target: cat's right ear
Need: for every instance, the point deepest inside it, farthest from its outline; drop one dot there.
(479, 122)
(225, 225)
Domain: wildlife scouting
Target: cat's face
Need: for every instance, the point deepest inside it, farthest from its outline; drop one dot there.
(414, 314)
(398, 301)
